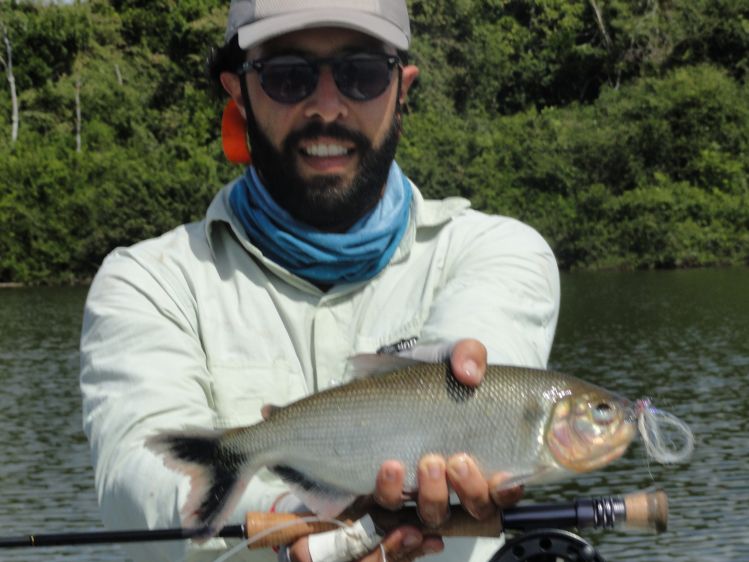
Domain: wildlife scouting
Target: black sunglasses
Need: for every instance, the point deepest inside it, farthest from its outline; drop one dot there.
(291, 78)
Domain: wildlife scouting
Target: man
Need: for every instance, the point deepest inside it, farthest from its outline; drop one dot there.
(322, 250)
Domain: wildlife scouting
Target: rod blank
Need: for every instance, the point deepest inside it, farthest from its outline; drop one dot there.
(645, 511)
(112, 537)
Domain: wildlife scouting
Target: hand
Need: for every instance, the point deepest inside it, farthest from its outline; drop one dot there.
(402, 544)
(478, 496)
(436, 476)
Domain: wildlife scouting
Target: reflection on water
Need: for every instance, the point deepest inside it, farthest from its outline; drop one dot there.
(46, 481)
(681, 338)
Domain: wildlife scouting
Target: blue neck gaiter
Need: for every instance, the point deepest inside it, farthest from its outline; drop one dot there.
(324, 257)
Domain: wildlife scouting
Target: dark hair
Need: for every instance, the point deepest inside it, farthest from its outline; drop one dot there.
(229, 57)
(226, 58)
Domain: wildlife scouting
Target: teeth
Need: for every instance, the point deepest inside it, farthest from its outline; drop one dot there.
(324, 150)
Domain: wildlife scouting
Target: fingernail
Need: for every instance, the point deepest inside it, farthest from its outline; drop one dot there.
(410, 541)
(434, 470)
(460, 466)
(388, 475)
(471, 368)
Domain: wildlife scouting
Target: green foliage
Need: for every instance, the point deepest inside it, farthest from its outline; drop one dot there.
(653, 174)
(623, 139)
(150, 158)
(599, 133)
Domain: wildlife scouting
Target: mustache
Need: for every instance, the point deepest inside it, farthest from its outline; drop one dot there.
(332, 130)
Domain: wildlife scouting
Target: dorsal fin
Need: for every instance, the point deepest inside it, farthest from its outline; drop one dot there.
(373, 364)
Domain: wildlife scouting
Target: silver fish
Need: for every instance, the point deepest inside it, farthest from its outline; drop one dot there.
(536, 425)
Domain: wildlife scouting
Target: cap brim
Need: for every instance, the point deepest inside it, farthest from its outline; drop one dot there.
(273, 26)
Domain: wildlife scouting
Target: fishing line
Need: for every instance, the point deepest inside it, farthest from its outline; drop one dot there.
(253, 539)
(661, 433)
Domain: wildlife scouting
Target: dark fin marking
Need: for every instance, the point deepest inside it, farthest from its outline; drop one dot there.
(215, 479)
(301, 480)
(322, 498)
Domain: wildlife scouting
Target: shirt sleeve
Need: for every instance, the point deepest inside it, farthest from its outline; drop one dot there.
(501, 287)
(143, 369)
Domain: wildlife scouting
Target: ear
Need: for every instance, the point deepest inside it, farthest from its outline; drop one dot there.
(230, 82)
(410, 73)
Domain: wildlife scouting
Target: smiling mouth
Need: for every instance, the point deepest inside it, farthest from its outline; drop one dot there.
(326, 150)
(327, 157)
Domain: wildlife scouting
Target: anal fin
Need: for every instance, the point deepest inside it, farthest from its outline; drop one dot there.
(320, 497)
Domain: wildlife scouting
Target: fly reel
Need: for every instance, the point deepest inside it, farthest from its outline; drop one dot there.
(547, 545)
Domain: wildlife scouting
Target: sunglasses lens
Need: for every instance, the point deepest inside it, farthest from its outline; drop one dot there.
(362, 77)
(288, 79)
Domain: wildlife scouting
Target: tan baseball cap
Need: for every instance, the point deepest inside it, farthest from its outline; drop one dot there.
(256, 21)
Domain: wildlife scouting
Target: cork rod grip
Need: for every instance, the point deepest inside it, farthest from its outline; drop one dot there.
(292, 525)
(460, 524)
(647, 511)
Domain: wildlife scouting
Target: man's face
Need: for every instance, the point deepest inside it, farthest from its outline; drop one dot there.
(325, 159)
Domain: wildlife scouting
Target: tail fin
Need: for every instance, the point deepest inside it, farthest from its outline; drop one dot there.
(216, 479)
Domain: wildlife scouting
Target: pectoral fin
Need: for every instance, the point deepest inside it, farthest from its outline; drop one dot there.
(542, 473)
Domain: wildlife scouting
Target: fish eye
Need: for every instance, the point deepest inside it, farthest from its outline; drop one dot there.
(603, 412)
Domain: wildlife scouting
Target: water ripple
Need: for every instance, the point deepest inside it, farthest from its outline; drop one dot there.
(681, 338)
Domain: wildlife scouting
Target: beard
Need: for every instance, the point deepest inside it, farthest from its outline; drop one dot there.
(326, 202)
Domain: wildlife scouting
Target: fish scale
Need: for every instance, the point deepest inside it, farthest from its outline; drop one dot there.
(335, 441)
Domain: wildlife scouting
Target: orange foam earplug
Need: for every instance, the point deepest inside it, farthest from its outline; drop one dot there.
(234, 135)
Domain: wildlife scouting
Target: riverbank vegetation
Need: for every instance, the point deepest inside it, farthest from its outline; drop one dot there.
(618, 128)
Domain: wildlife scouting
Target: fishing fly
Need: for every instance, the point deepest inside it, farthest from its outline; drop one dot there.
(661, 433)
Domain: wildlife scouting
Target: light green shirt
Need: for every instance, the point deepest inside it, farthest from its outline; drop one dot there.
(197, 329)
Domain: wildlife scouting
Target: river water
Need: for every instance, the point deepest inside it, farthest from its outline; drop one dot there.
(678, 337)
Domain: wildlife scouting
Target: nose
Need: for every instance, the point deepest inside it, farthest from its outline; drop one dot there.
(326, 102)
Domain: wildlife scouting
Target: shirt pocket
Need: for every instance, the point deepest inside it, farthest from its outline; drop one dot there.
(407, 333)
(241, 390)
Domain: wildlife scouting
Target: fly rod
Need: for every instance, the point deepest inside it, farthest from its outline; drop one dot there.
(646, 511)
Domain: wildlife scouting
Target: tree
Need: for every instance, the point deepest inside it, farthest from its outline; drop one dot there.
(8, 65)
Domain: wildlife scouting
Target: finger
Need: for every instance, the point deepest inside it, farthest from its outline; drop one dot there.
(401, 545)
(432, 544)
(433, 493)
(502, 495)
(267, 410)
(470, 486)
(468, 361)
(389, 485)
(406, 544)
(299, 551)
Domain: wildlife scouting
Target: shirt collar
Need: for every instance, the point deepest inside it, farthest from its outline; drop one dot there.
(425, 213)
